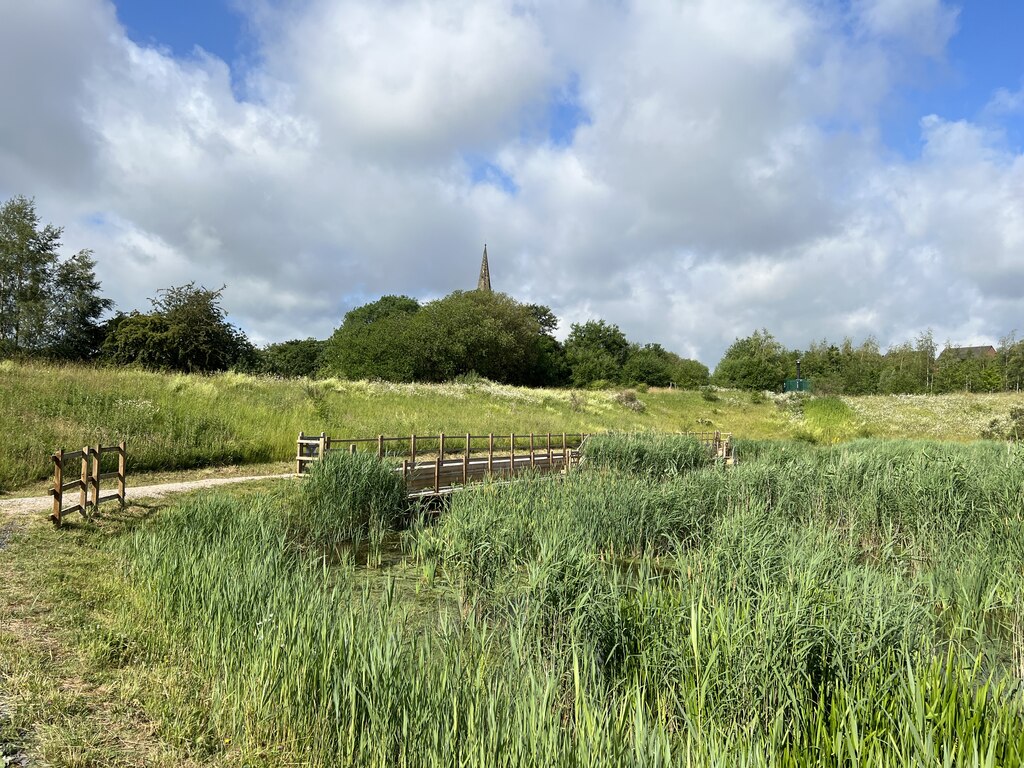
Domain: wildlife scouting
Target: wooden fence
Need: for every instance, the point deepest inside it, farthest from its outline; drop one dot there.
(436, 464)
(88, 480)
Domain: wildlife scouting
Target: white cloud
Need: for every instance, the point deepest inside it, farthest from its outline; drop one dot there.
(729, 174)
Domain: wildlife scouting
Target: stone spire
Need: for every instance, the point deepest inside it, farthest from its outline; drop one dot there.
(484, 284)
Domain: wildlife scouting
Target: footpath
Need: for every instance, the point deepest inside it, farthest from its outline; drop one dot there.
(42, 503)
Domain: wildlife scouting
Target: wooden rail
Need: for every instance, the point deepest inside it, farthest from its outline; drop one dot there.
(436, 464)
(89, 479)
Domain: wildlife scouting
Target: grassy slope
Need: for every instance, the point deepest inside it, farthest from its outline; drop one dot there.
(175, 421)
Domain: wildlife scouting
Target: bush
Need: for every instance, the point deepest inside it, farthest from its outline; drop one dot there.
(628, 398)
(345, 497)
(709, 394)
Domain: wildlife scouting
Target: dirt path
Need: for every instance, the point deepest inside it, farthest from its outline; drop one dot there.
(41, 503)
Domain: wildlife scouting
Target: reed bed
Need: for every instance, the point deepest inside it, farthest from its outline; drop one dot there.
(857, 605)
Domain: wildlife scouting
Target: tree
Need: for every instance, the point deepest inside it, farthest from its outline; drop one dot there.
(74, 330)
(187, 331)
(294, 358)
(757, 362)
(596, 351)
(375, 341)
(490, 334)
(47, 307)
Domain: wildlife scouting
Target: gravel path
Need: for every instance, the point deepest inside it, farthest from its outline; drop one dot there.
(40, 503)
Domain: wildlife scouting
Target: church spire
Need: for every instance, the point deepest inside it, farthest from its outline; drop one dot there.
(484, 283)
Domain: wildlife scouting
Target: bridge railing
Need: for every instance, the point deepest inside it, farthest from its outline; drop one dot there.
(438, 463)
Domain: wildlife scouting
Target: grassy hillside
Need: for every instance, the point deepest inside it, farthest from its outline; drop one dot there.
(176, 421)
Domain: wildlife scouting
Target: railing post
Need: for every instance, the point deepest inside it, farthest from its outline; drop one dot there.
(58, 481)
(465, 461)
(380, 446)
(565, 453)
(83, 489)
(440, 446)
(122, 470)
(533, 455)
(512, 455)
(321, 448)
(97, 453)
(437, 475)
(352, 448)
(299, 448)
(549, 450)
(412, 449)
(405, 474)
(490, 452)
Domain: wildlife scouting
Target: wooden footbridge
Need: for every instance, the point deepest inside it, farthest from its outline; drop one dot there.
(437, 465)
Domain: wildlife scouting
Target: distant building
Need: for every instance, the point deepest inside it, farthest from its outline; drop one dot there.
(984, 353)
(484, 283)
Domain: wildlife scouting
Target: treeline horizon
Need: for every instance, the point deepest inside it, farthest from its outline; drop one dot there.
(52, 309)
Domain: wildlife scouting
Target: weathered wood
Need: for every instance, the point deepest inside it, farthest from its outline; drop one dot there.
(465, 460)
(58, 485)
(380, 446)
(412, 449)
(490, 452)
(97, 454)
(83, 494)
(533, 455)
(122, 471)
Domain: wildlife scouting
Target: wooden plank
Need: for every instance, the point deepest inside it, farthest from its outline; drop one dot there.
(58, 491)
(95, 479)
(108, 475)
(83, 494)
(72, 484)
(108, 497)
(122, 471)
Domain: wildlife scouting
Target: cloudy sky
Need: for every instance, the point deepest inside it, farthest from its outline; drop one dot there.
(690, 170)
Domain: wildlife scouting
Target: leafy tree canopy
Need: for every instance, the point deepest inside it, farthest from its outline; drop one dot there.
(48, 307)
(187, 331)
(757, 362)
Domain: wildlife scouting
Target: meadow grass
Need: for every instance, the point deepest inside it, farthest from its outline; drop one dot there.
(174, 421)
(858, 604)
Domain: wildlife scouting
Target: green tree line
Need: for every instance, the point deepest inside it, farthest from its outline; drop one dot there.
(51, 308)
(759, 361)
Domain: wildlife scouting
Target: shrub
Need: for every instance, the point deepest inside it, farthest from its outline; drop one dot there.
(709, 394)
(628, 398)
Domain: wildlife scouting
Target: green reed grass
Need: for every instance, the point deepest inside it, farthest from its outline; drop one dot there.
(856, 605)
(653, 455)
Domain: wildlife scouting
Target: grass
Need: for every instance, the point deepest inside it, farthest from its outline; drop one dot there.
(857, 604)
(178, 422)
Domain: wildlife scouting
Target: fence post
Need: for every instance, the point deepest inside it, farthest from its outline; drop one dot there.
(83, 489)
(533, 455)
(122, 470)
(565, 454)
(96, 455)
(58, 481)
(437, 475)
(440, 446)
(380, 446)
(299, 448)
(465, 461)
(412, 449)
(512, 455)
(549, 450)
(321, 447)
(490, 452)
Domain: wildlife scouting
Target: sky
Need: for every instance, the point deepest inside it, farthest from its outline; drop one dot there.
(690, 170)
